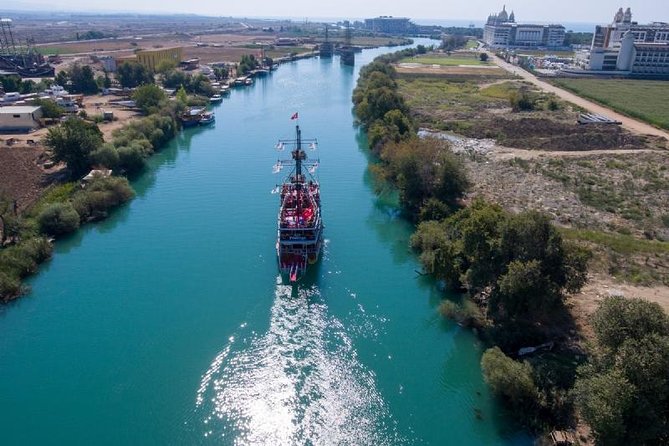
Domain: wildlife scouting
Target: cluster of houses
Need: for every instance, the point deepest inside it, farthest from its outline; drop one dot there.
(19, 115)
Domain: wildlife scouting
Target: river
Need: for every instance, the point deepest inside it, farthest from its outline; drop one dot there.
(167, 323)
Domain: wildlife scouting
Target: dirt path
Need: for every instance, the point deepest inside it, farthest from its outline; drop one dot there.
(630, 124)
(507, 153)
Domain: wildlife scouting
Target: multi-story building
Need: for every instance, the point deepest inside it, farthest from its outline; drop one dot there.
(389, 25)
(627, 47)
(501, 30)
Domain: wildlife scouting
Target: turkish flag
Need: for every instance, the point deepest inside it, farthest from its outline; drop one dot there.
(294, 116)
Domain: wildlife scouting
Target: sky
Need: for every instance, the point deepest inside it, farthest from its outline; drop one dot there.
(568, 11)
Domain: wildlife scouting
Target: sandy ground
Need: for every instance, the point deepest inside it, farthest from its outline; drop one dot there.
(631, 124)
(584, 304)
(22, 173)
(462, 70)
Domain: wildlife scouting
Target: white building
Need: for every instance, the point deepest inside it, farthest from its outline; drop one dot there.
(19, 118)
(625, 47)
(501, 30)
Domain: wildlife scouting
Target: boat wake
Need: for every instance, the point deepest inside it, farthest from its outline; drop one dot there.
(299, 383)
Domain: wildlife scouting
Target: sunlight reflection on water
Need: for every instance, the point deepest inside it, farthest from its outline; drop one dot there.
(299, 383)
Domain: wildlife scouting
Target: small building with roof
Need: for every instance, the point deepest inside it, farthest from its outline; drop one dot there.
(19, 118)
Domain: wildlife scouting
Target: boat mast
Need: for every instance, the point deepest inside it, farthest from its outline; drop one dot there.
(297, 155)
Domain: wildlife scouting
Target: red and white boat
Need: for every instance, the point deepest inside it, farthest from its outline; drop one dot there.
(300, 226)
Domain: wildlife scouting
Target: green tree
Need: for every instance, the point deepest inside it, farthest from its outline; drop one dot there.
(58, 219)
(618, 319)
(133, 74)
(510, 379)
(82, 79)
(149, 97)
(247, 63)
(483, 57)
(182, 96)
(11, 83)
(624, 392)
(62, 78)
(73, 141)
(165, 66)
(603, 399)
(106, 156)
(175, 79)
(221, 73)
(521, 101)
(49, 108)
(524, 291)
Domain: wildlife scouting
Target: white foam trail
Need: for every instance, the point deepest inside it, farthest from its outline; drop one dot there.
(300, 383)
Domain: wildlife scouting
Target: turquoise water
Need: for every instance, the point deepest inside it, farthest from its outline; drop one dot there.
(167, 323)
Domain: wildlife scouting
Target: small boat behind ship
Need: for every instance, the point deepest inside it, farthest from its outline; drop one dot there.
(300, 227)
(207, 118)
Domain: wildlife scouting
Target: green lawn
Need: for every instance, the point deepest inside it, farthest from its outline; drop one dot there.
(544, 53)
(645, 100)
(446, 61)
(472, 44)
(54, 50)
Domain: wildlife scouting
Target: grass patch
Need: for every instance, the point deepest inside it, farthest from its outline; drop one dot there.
(642, 99)
(447, 61)
(472, 44)
(55, 50)
(500, 91)
(619, 243)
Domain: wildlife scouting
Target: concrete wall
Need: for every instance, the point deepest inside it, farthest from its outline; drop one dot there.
(16, 122)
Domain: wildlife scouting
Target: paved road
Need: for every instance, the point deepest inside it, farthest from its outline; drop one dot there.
(629, 123)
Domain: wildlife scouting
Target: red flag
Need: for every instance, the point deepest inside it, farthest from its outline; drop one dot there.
(294, 116)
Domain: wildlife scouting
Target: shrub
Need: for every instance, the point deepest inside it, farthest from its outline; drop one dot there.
(509, 379)
(100, 195)
(521, 101)
(9, 285)
(466, 313)
(58, 219)
(618, 319)
(603, 400)
(106, 156)
(22, 259)
(130, 159)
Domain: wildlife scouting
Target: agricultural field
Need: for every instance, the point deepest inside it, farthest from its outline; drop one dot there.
(641, 99)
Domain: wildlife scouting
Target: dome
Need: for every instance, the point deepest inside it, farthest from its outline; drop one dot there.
(503, 16)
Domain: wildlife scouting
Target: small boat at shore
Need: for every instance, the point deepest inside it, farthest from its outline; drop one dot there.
(207, 118)
(215, 99)
(300, 227)
(191, 116)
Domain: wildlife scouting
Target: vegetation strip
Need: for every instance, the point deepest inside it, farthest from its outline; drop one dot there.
(517, 270)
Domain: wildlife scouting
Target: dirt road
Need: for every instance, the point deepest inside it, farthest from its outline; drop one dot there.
(630, 124)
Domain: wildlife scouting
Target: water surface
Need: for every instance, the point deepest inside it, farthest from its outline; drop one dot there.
(167, 323)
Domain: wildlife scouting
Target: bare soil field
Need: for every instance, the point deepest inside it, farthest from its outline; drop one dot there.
(23, 178)
(606, 186)
(451, 71)
(22, 172)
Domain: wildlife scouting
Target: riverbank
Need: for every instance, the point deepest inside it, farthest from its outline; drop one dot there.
(187, 272)
(473, 106)
(58, 205)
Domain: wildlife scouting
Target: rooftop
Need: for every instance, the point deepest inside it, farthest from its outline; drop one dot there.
(19, 109)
